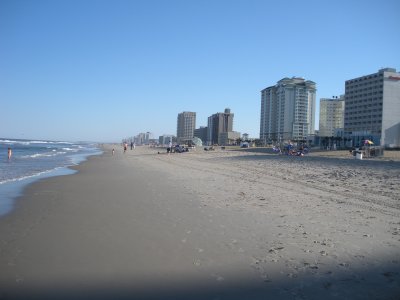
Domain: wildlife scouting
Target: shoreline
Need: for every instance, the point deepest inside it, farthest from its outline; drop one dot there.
(13, 189)
(226, 224)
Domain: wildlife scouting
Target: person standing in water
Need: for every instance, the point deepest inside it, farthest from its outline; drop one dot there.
(9, 152)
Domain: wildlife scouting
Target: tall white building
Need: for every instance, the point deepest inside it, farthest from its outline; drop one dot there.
(186, 123)
(372, 109)
(331, 116)
(288, 110)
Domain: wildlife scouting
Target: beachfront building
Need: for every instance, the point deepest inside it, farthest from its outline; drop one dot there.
(288, 110)
(201, 133)
(142, 138)
(372, 108)
(165, 139)
(228, 138)
(186, 123)
(147, 138)
(219, 123)
(331, 115)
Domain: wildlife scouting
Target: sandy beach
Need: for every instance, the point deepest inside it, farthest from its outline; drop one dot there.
(221, 224)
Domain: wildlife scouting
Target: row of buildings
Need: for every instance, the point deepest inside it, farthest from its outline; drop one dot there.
(369, 109)
(219, 129)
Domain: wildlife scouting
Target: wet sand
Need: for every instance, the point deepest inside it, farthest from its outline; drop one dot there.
(207, 225)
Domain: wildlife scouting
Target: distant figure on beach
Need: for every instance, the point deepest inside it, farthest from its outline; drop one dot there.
(125, 147)
(131, 145)
(113, 151)
(169, 150)
(9, 152)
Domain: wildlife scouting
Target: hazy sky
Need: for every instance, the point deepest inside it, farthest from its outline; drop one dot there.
(104, 70)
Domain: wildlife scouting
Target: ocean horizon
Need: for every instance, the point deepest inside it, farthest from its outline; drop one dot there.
(32, 160)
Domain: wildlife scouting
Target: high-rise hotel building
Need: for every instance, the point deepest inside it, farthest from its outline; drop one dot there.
(372, 108)
(186, 123)
(219, 123)
(331, 116)
(288, 110)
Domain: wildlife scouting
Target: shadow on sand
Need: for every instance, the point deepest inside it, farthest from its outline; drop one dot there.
(380, 282)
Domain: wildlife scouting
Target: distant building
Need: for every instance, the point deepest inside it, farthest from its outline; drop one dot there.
(165, 139)
(218, 123)
(201, 133)
(245, 136)
(372, 108)
(331, 116)
(288, 110)
(142, 138)
(186, 123)
(147, 137)
(228, 138)
(153, 142)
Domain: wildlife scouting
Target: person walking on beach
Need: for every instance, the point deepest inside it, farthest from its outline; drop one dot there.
(113, 151)
(131, 145)
(169, 147)
(125, 147)
(9, 153)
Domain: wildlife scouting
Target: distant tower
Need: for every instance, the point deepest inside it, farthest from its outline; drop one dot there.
(186, 123)
(218, 123)
(288, 110)
(372, 109)
(331, 116)
(201, 133)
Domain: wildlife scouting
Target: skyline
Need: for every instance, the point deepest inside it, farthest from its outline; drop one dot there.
(101, 70)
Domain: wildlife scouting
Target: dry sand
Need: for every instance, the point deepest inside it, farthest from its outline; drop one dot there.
(207, 225)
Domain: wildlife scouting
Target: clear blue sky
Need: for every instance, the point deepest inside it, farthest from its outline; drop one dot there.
(104, 70)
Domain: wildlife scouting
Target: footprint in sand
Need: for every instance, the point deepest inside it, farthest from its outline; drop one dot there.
(265, 278)
(275, 249)
(218, 277)
(197, 262)
(390, 276)
(19, 280)
(327, 285)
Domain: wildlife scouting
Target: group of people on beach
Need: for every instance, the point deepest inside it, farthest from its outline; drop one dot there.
(133, 146)
(125, 146)
(289, 149)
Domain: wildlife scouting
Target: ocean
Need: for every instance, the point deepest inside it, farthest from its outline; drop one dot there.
(32, 160)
